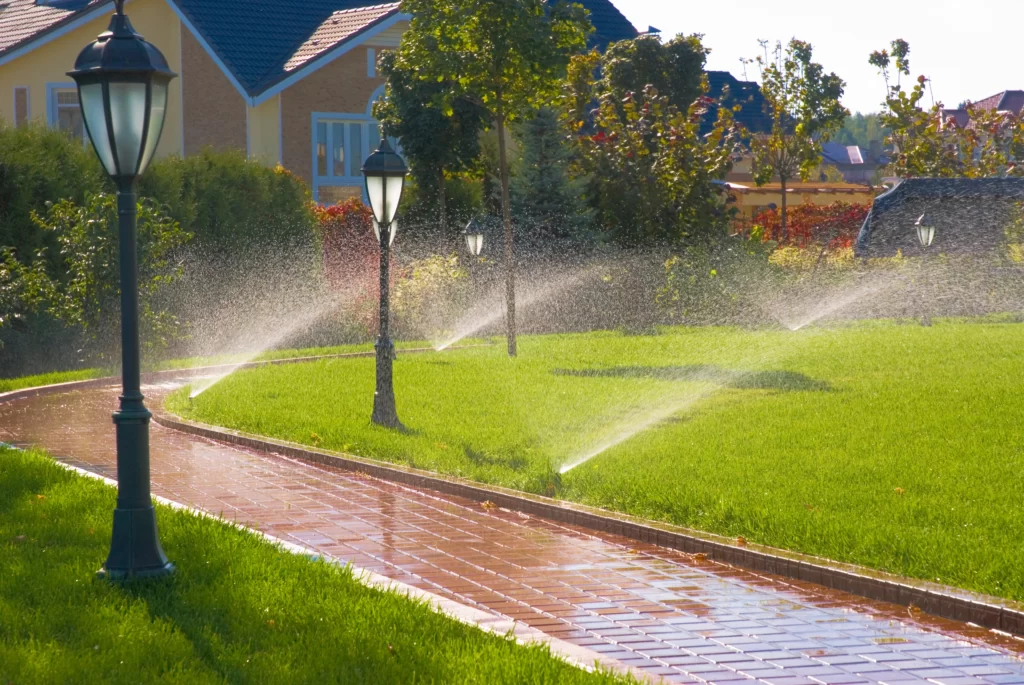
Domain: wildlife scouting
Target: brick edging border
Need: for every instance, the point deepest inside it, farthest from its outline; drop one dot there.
(939, 600)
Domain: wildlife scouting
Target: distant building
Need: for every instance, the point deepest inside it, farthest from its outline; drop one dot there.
(856, 164)
(970, 215)
(1011, 101)
(290, 82)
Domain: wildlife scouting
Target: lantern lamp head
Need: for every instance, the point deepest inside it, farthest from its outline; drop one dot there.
(385, 173)
(474, 235)
(925, 230)
(123, 84)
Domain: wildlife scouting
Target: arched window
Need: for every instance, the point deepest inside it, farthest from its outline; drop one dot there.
(341, 141)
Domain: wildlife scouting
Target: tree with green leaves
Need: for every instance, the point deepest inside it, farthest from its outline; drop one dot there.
(506, 56)
(862, 130)
(805, 108)
(548, 200)
(88, 298)
(653, 172)
(926, 142)
(675, 68)
(438, 138)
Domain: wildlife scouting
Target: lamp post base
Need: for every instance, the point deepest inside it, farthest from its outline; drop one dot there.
(384, 412)
(135, 550)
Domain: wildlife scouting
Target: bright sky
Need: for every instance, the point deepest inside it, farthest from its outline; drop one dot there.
(969, 48)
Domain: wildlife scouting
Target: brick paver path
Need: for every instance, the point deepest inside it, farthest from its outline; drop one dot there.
(652, 608)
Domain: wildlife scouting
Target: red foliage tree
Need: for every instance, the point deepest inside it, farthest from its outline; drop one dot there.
(836, 224)
(350, 248)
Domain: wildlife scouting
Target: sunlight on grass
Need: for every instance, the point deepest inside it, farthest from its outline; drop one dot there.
(893, 446)
(238, 609)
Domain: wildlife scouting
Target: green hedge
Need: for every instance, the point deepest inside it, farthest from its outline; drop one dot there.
(37, 165)
(229, 202)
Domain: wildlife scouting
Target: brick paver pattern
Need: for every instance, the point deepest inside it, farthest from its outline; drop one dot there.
(662, 611)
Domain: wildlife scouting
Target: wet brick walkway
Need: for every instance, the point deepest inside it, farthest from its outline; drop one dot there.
(656, 609)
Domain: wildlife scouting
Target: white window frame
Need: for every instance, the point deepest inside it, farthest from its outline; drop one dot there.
(355, 177)
(53, 110)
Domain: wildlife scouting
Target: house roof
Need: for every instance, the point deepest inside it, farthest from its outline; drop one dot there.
(753, 112)
(609, 23)
(960, 116)
(23, 20)
(980, 199)
(262, 42)
(1008, 100)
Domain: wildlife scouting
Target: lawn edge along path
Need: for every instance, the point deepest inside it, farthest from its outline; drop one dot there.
(945, 601)
(574, 655)
(991, 612)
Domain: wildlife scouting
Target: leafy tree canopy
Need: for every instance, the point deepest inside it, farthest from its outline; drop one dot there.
(925, 142)
(804, 103)
(506, 56)
(437, 138)
(653, 173)
(674, 68)
(863, 130)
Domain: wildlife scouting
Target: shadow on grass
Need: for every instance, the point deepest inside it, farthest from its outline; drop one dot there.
(707, 373)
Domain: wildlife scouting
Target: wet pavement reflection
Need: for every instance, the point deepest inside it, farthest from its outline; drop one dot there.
(652, 608)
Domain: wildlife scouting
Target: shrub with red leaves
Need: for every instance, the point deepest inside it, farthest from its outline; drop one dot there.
(837, 224)
(350, 248)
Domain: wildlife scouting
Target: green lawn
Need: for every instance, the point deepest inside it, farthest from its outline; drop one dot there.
(238, 611)
(9, 384)
(890, 445)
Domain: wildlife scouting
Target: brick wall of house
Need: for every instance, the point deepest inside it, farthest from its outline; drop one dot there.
(213, 109)
(341, 87)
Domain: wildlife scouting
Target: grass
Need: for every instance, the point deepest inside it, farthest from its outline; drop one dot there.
(889, 445)
(9, 384)
(239, 610)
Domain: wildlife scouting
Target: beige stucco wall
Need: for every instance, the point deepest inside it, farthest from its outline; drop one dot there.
(214, 110)
(49, 64)
(265, 131)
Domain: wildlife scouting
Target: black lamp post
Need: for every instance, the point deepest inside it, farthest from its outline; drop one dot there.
(474, 234)
(385, 174)
(122, 87)
(925, 235)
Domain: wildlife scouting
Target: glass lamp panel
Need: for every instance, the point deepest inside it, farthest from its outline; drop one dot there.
(926, 234)
(470, 243)
(96, 122)
(393, 196)
(479, 244)
(128, 116)
(157, 113)
(375, 191)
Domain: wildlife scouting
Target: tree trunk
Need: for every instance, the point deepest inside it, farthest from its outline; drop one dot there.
(782, 214)
(510, 256)
(442, 210)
